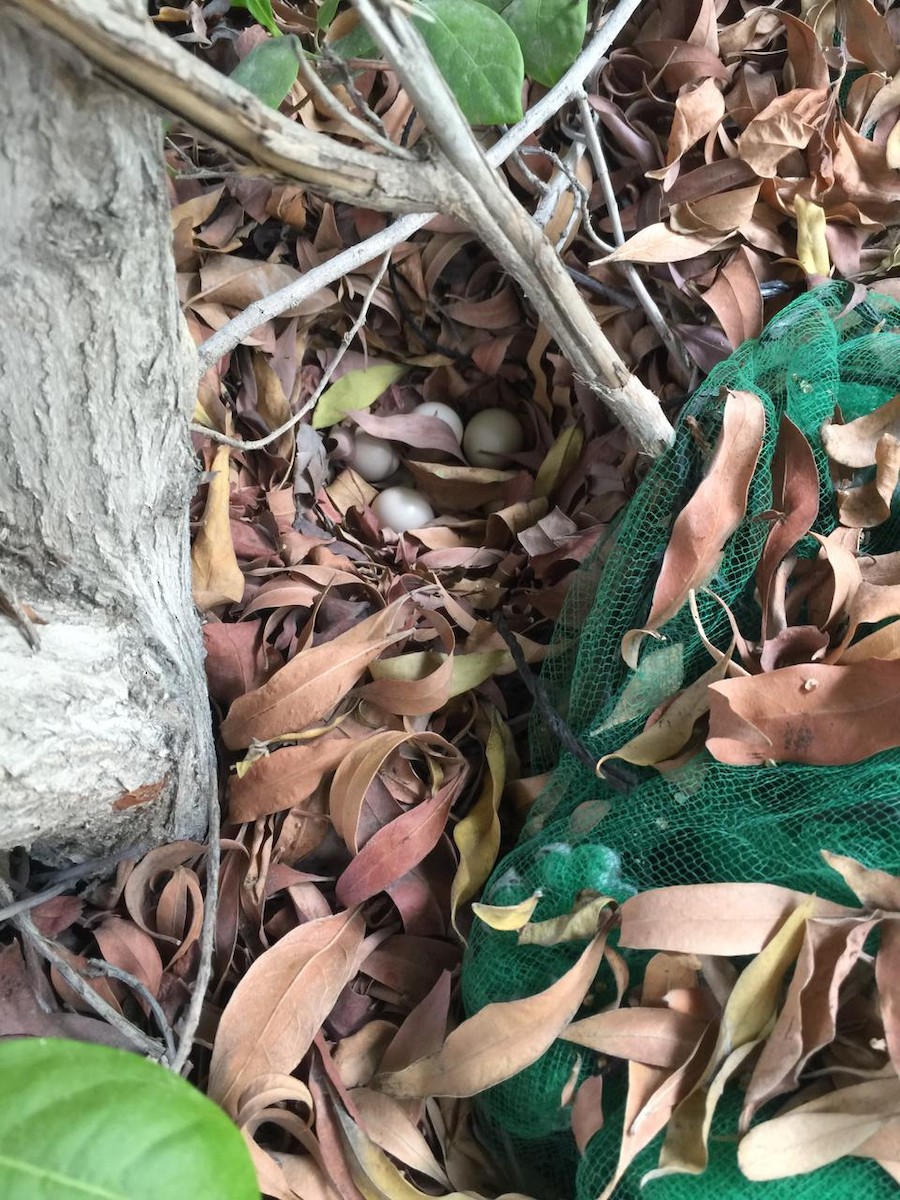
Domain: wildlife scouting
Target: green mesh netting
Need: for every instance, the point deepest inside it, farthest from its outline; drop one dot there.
(708, 822)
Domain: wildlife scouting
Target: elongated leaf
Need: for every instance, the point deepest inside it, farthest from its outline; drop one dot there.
(278, 781)
(269, 70)
(277, 1008)
(807, 1019)
(478, 55)
(477, 835)
(709, 518)
(500, 1040)
(260, 10)
(820, 1131)
(507, 916)
(795, 497)
(875, 888)
(313, 681)
(660, 244)
(658, 1037)
(216, 577)
(80, 1121)
(355, 390)
(712, 918)
(825, 715)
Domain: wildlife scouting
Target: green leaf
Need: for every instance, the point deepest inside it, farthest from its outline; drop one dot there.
(261, 11)
(353, 391)
(86, 1122)
(550, 32)
(358, 43)
(269, 70)
(478, 55)
(326, 12)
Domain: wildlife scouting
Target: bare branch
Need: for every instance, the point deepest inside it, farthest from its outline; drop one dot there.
(128, 48)
(486, 204)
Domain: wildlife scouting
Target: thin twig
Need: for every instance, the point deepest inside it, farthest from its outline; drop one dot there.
(98, 967)
(646, 301)
(207, 936)
(313, 400)
(28, 902)
(334, 106)
(256, 314)
(50, 951)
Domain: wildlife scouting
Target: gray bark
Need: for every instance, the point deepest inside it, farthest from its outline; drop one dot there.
(105, 736)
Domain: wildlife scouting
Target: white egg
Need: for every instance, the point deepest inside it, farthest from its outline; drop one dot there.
(402, 508)
(491, 433)
(372, 457)
(443, 412)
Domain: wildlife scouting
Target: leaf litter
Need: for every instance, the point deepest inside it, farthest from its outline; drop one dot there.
(371, 721)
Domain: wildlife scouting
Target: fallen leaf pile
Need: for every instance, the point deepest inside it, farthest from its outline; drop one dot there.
(820, 682)
(370, 719)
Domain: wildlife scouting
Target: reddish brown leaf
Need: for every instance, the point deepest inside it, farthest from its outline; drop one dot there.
(279, 781)
(710, 517)
(313, 682)
(813, 713)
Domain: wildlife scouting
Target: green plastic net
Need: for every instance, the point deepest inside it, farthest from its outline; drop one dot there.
(708, 822)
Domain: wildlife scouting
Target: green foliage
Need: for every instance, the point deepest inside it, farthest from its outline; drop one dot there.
(79, 1120)
(261, 11)
(326, 12)
(550, 33)
(269, 70)
(478, 55)
(354, 391)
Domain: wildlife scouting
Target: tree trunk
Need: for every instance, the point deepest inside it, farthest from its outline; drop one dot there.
(105, 736)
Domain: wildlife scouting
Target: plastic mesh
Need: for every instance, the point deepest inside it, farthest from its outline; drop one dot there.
(707, 822)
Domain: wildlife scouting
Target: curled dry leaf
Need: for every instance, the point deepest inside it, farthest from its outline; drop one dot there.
(870, 504)
(854, 444)
(709, 518)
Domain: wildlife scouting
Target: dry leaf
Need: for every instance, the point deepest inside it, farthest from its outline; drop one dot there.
(277, 1008)
(709, 518)
(813, 713)
(313, 682)
(500, 1040)
(658, 1037)
(854, 444)
(216, 577)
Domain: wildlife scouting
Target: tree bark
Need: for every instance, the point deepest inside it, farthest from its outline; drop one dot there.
(105, 736)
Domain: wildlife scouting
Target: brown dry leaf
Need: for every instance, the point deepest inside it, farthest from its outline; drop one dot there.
(216, 577)
(660, 244)
(869, 504)
(854, 444)
(875, 889)
(820, 1131)
(314, 681)
(807, 1020)
(280, 1003)
(788, 123)
(887, 981)
(736, 300)
(795, 498)
(812, 713)
(659, 1037)
(697, 112)
(709, 518)
(869, 37)
(278, 781)
(712, 918)
(386, 1122)
(500, 1040)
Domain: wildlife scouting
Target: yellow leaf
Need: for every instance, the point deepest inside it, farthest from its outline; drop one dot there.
(477, 835)
(353, 391)
(572, 926)
(216, 577)
(812, 249)
(560, 459)
(507, 916)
